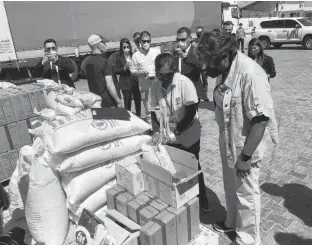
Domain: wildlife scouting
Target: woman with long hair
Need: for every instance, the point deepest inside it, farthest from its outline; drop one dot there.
(127, 82)
(255, 52)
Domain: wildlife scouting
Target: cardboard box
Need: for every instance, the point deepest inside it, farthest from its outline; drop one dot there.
(6, 165)
(151, 234)
(15, 136)
(32, 93)
(123, 229)
(182, 224)
(173, 192)
(136, 205)
(16, 104)
(145, 198)
(160, 206)
(121, 203)
(7, 107)
(25, 100)
(146, 193)
(147, 214)
(41, 98)
(130, 177)
(205, 237)
(111, 195)
(151, 185)
(14, 155)
(4, 136)
(193, 217)
(23, 130)
(2, 116)
(168, 223)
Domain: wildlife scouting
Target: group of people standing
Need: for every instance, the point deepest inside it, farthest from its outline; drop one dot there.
(166, 83)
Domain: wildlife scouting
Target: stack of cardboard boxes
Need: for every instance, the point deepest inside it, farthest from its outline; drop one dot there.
(16, 116)
(166, 209)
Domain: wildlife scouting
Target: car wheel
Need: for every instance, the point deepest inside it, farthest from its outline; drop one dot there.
(277, 45)
(307, 43)
(265, 42)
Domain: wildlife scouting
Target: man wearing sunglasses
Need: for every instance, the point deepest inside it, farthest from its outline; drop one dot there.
(185, 60)
(99, 73)
(144, 68)
(55, 67)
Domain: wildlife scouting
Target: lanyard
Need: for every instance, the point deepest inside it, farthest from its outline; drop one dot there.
(170, 106)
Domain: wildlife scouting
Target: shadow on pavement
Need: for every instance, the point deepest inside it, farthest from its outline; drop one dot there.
(297, 199)
(291, 239)
(217, 213)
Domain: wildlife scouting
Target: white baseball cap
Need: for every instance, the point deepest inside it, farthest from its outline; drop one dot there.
(95, 39)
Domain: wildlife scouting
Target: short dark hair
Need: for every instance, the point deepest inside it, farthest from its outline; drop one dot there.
(184, 29)
(50, 40)
(145, 34)
(125, 40)
(199, 27)
(215, 45)
(136, 34)
(162, 60)
(228, 23)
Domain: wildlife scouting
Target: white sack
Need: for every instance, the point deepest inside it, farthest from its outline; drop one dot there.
(16, 208)
(88, 157)
(4, 85)
(69, 100)
(93, 202)
(79, 185)
(50, 98)
(66, 110)
(45, 204)
(88, 99)
(79, 131)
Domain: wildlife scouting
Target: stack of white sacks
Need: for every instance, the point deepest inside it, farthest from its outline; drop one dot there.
(72, 162)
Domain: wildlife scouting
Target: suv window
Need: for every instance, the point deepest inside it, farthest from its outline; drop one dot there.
(305, 22)
(291, 23)
(272, 24)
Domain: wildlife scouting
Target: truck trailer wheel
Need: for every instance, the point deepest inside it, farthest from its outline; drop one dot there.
(265, 42)
(277, 45)
(307, 43)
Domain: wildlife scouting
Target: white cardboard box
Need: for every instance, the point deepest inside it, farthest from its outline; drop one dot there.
(171, 192)
(130, 177)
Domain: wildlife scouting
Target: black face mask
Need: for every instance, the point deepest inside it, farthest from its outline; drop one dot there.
(199, 34)
(213, 72)
(166, 78)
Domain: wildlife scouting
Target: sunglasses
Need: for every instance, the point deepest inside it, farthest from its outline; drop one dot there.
(182, 39)
(125, 47)
(49, 49)
(146, 41)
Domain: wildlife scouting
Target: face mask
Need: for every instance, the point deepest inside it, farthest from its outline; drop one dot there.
(166, 78)
(199, 34)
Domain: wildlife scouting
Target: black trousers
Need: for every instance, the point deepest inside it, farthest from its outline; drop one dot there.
(127, 95)
(240, 43)
(195, 149)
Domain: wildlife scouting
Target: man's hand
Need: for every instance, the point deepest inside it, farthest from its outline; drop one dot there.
(46, 58)
(180, 52)
(54, 57)
(156, 138)
(242, 167)
(120, 104)
(4, 199)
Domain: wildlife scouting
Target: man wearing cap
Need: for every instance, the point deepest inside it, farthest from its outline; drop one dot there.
(99, 74)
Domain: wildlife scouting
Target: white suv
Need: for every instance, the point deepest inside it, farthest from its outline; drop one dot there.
(279, 31)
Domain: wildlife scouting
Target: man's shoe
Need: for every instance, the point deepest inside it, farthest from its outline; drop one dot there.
(221, 227)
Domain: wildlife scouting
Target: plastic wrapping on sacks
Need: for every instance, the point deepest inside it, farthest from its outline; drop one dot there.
(69, 100)
(100, 153)
(80, 131)
(79, 185)
(66, 110)
(45, 203)
(50, 99)
(88, 99)
(16, 208)
(4, 85)
(93, 202)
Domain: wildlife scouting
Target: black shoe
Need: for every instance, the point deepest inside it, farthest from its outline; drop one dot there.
(221, 227)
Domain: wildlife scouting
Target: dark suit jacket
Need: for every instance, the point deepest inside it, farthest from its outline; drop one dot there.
(269, 66)
(126, 79)
(66, 66)
(190, 66)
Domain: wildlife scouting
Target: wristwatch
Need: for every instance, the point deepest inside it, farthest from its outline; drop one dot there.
(245, 158)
